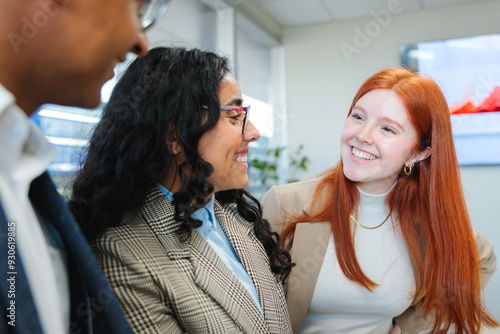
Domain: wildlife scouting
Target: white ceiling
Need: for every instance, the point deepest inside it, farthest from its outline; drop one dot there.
(293, 13)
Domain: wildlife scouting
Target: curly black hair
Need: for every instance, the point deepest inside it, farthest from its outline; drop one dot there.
(128, 153)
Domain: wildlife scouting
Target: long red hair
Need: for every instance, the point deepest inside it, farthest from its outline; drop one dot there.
(429, 206)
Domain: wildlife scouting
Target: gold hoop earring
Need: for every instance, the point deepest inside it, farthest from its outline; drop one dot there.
(408, 168)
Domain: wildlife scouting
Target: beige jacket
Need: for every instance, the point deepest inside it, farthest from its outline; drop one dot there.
(308, 249)
(169, 285)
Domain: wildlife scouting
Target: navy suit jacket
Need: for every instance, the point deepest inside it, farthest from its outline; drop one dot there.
(94, 307)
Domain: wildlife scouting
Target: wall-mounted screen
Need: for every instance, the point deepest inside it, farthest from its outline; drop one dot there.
(468, 72)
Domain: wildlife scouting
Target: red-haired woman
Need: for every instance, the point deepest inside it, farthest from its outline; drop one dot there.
(385, 235)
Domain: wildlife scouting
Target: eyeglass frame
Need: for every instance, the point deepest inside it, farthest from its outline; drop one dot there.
(148, 21)
(246, 110)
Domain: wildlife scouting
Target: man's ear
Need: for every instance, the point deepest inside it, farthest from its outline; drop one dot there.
(421, 155)
(174, 145)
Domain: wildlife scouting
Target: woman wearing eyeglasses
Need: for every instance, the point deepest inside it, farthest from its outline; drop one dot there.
(385, 235)
(160, 198)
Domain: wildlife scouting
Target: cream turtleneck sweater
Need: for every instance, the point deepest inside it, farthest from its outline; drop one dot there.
(342, 306)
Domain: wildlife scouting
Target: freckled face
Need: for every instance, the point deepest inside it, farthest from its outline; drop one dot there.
(377, 140)
(224, 146)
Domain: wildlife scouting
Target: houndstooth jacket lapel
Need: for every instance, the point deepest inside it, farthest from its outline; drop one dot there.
(256, 262)
(209, 272)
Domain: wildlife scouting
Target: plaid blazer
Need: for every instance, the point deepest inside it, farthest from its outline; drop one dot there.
(169, 285)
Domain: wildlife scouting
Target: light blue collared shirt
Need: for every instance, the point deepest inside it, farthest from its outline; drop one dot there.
(214, 235)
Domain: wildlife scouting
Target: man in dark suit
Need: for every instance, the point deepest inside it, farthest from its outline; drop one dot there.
(61, 52)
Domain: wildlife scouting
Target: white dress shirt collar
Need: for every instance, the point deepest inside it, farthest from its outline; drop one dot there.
(25, 151)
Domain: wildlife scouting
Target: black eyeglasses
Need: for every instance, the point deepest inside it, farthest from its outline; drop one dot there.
(152, 11)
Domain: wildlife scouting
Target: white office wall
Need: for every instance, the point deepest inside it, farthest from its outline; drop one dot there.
(254, 66)
(186, 23)
(321, 82)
